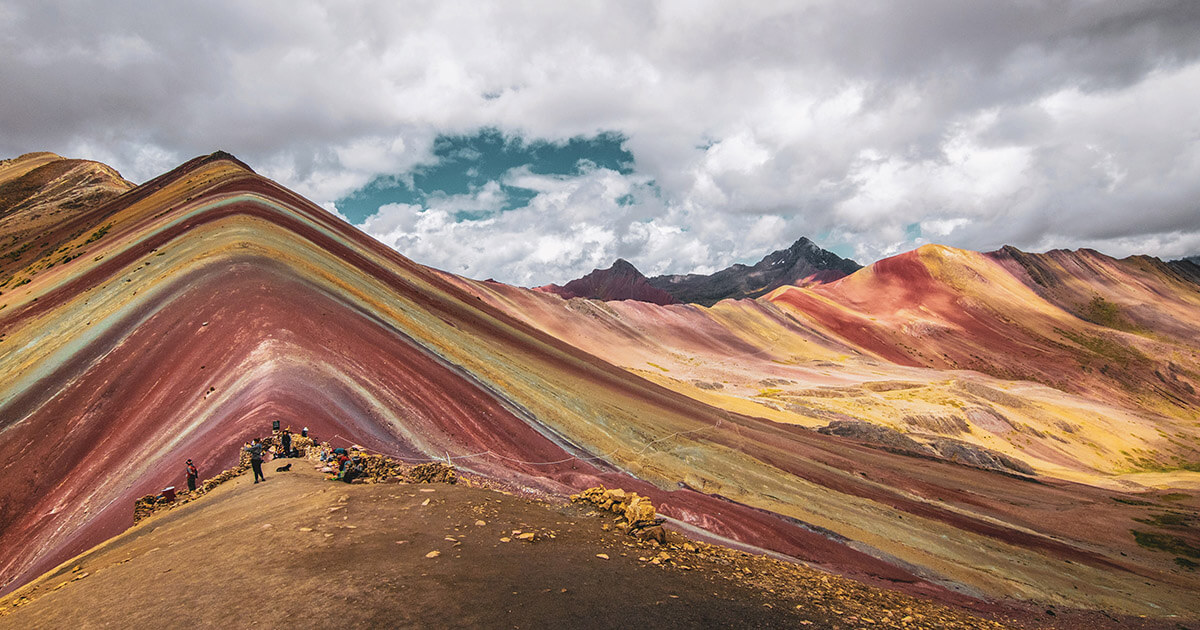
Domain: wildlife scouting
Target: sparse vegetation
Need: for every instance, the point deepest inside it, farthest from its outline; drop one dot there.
(1169, 519)
(1165, 542)
(99, 234)
(1101, 311)
(1118, 353)
(17, 253)
(1131, 501)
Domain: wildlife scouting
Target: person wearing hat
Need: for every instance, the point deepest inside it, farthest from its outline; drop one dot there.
(192, 473)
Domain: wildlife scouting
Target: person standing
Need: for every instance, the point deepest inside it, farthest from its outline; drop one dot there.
(256, 459)
(286, 440)
(192, 474)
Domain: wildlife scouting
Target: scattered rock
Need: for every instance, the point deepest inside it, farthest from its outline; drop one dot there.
(433, 554)
(635, 509)
(874, 434)
(655, 533)
(980, 457)
(602, 556)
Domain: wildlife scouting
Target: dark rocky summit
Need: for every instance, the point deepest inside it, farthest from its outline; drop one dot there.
(621, 281)
(801, 264)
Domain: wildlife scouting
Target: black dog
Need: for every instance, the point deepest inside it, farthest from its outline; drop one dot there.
(284, 468)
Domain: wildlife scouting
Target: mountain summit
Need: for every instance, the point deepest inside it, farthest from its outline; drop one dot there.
(621, 281)
(804, 263)
(801, 264)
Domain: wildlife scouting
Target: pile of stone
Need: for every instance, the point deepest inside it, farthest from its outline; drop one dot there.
(274, 443)
(637, 514)
(377, 468)
(433, 472)
(152, 503)
(380, 468)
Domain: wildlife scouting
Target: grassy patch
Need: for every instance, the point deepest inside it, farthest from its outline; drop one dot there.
(1175, 496)
(1101, 311)
(98, 234)
(1170, 519)
(1186, 564)
(1130, 501)
(657, 366)
(1165, 542)
(1117, 352)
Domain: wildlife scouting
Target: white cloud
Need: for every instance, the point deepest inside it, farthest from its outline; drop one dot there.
(1035, 124)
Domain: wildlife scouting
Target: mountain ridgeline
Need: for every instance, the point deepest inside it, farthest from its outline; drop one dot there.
(802, 264)
(939, 423)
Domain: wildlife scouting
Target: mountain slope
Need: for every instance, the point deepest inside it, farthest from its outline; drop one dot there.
(218, 301)
(356, 555)
(44, 200)
(201, 306)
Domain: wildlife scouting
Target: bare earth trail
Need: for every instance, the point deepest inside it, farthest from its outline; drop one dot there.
(300, 551)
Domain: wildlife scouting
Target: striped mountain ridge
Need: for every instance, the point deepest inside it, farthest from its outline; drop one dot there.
(179, 318)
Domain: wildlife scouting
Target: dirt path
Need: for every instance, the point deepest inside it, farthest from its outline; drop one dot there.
(300, 551)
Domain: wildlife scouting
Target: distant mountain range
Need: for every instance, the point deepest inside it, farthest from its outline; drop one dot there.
(804, 263)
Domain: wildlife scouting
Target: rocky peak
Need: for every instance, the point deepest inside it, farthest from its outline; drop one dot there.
(621, 281)
(804, 262)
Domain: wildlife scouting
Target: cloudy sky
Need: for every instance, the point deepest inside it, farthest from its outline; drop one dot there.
(533, 141)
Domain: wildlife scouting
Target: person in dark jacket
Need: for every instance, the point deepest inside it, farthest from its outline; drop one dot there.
(256, 459)
(286, 441)
(192, 473)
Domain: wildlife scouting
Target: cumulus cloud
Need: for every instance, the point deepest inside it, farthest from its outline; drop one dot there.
(1039, 124)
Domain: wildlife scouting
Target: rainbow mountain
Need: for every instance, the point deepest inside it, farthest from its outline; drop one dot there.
(1004, 427)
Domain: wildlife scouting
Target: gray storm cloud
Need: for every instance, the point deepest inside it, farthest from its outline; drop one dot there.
(872, 126)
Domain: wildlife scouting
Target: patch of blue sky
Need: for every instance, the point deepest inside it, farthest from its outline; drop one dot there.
(835, 242)
(912, 231)
(464, 164)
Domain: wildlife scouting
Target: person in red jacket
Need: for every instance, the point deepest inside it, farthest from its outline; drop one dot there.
(192, 473)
